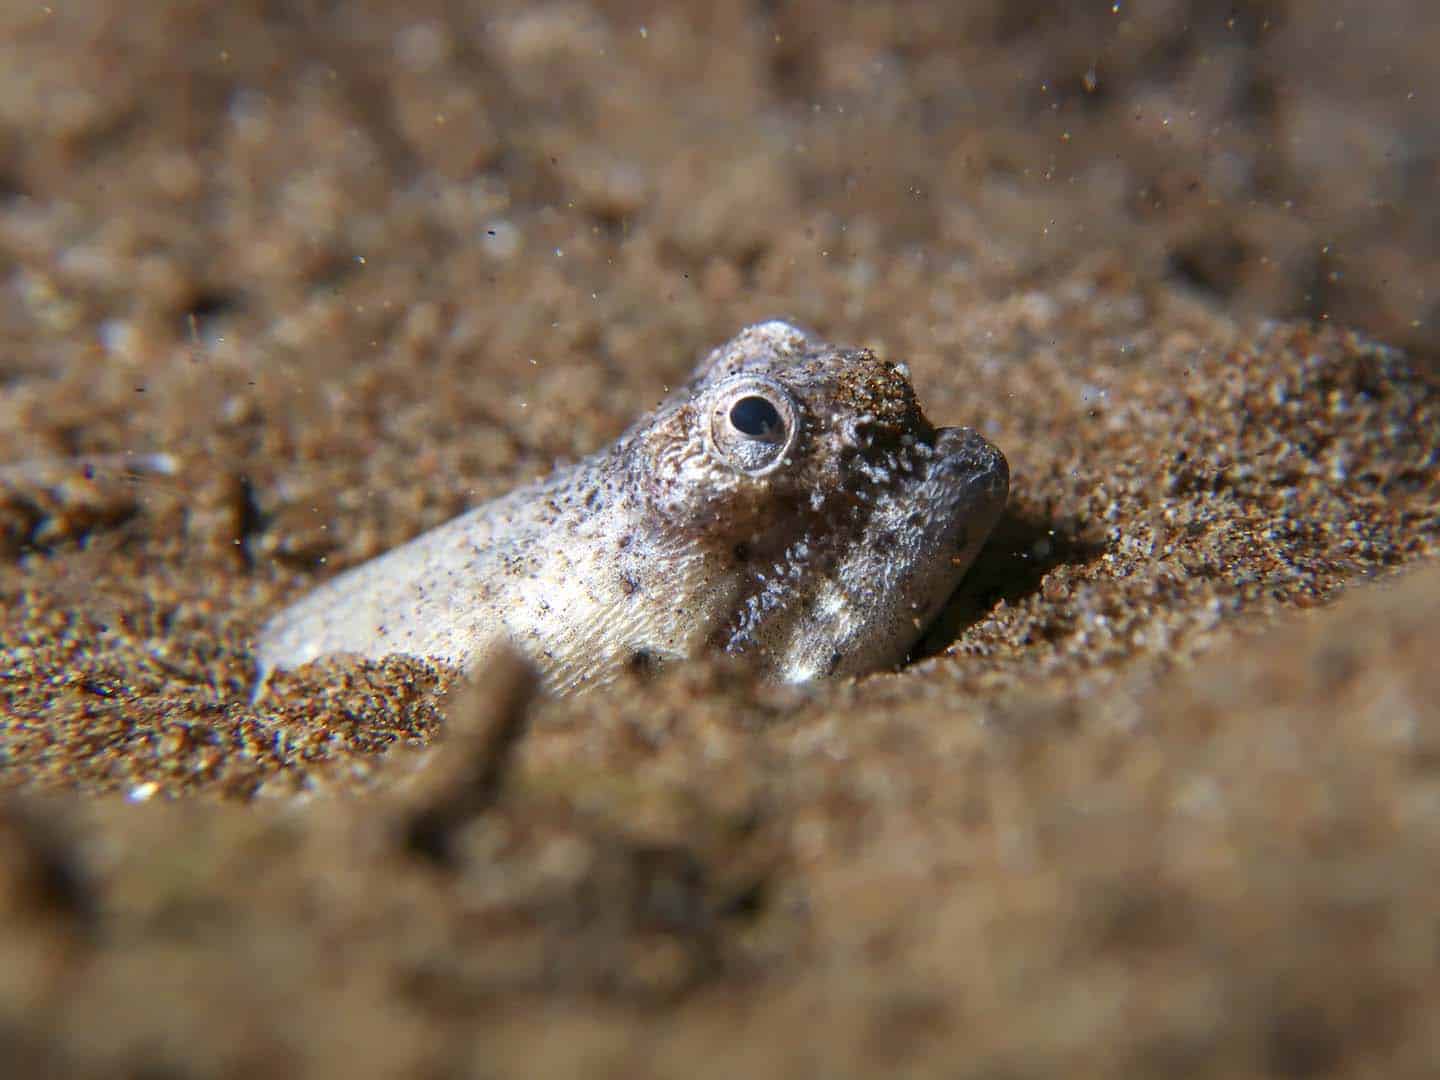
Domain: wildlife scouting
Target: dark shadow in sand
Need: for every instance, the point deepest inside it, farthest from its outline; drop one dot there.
(1011, 566)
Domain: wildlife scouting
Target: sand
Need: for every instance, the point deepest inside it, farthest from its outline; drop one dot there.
(280, 289)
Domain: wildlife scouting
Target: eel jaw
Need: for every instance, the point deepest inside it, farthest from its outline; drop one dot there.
(897, 574)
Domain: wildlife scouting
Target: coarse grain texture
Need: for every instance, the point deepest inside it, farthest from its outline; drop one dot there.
(283, 287)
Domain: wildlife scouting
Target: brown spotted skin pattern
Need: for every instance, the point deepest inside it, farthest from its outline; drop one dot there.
(791, 504)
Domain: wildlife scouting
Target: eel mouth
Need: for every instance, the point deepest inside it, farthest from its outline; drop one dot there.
(949, 512)
(896, 573)
(975, 475)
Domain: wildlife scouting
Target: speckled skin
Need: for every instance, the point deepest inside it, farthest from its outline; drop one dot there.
(819, 546)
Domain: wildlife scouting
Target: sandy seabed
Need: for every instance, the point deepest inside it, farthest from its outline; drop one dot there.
(281, 286)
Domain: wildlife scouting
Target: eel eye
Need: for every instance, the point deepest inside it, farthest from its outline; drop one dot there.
(753, 424)
(755, 416)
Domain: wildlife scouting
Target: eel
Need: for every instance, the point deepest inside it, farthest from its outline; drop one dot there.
(790, 504)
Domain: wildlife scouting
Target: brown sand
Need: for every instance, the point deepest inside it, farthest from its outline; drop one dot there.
(1162, 798)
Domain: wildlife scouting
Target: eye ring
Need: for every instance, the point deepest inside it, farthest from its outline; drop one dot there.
(752, 424)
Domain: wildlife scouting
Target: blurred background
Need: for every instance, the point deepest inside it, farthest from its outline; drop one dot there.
(168, 167)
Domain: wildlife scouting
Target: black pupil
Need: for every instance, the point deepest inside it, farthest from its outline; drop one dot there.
(756, 417)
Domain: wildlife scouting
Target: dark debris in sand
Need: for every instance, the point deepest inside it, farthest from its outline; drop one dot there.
(1158, 795)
